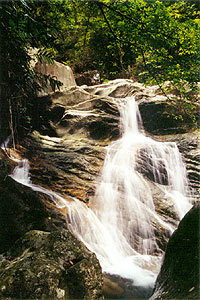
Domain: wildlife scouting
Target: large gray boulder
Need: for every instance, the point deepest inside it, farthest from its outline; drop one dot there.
(57, 71)
(55, 265)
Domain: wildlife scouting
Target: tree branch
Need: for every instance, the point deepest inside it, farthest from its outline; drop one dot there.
(131, 43)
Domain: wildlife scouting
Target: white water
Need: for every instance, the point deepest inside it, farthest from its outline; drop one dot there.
(118, 224)
(5, 144)
(21, 175)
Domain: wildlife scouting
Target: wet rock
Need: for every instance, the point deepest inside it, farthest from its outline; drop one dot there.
(68, 155)
(55, 265)
(76, 112)
(179, 275)
(154, 108)
(69, 165)
(146, 165)
(85, 115)
(68, 152)
(119, 88)
(189, 145)
(22, 209)
(116, 287)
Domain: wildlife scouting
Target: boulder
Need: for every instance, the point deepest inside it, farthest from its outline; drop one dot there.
(88, 78)
(58, 72)
(55, 265)
(179, 274)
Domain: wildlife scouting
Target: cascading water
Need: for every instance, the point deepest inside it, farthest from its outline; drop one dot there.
(21, 175)
(118, 224)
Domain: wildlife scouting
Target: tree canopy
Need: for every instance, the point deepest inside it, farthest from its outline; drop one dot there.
(149, 41)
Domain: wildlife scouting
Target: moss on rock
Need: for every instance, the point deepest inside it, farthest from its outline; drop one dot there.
(55, 265)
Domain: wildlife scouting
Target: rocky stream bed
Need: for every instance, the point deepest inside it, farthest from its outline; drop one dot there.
(40, 258)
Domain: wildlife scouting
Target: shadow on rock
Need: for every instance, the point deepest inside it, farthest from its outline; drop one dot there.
(179, 275)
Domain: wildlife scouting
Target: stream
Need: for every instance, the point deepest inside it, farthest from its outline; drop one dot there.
(118, 224)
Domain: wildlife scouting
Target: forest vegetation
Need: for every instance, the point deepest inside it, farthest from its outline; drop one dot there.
(153, 42)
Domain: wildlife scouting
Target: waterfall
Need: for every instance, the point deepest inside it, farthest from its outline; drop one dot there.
(21, 175)
(118, 224)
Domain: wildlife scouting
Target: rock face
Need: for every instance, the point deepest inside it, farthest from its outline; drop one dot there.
(59, 72)
(154, 108)
(44, 265)
(67, 152)
(179, 275)
(189, 145)
(22, 209)
(71, 158)
(78, 123)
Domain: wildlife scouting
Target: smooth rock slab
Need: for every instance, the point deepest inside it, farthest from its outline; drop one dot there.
(55, 265)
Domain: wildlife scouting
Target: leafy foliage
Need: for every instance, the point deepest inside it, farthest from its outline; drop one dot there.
(20, 32)
(151, 41)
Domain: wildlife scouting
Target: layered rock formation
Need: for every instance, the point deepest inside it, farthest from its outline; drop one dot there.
(78, 124)
(67, 152)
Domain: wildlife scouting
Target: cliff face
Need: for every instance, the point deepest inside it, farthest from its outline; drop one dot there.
(67, 152)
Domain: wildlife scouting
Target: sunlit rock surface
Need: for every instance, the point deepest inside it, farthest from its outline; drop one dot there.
(179, 275)
(154, 108)
(68, 151)
(77, 124)
(44, 265)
